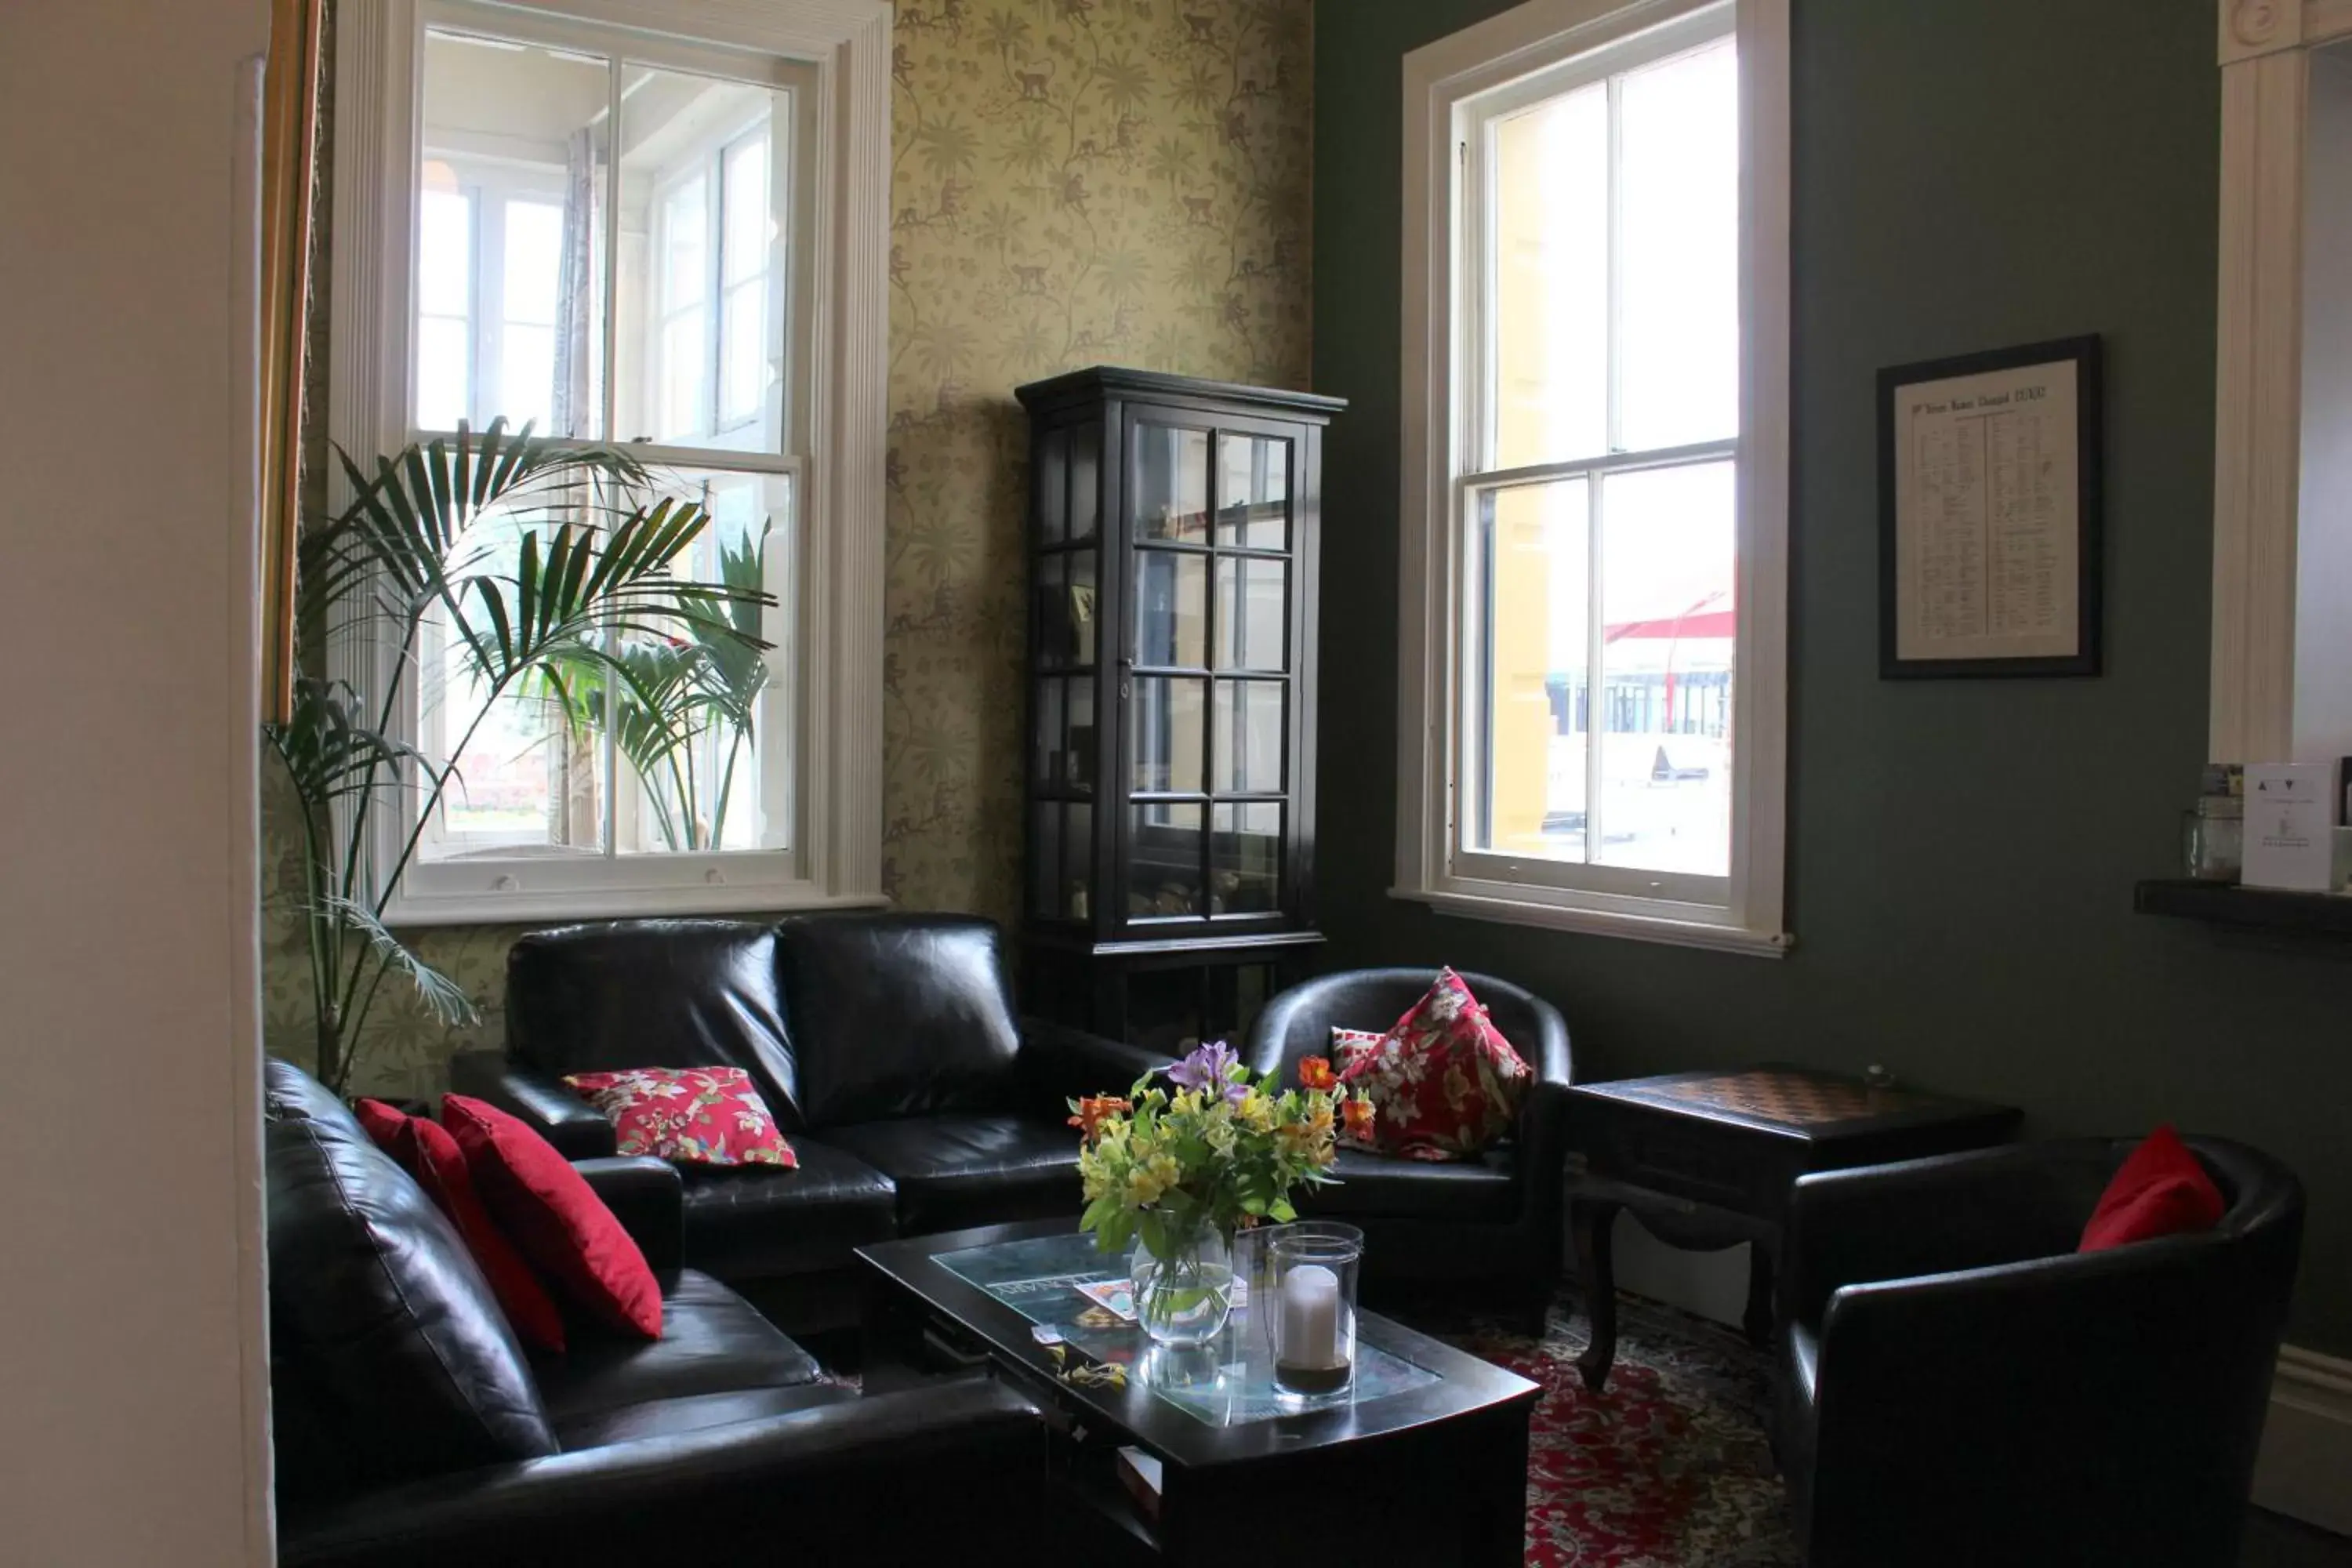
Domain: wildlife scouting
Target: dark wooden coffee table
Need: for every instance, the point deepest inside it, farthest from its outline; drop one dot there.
(1423, 1461)
(1705, 1160)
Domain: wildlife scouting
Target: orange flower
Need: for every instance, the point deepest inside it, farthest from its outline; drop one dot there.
(1096, 1109)
(1359, 1114)
(1314, 1072)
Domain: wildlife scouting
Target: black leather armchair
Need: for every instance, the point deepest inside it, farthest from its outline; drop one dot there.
(1958, 1387)
(410, 1426)
(1492, 1226)
(886, 1046)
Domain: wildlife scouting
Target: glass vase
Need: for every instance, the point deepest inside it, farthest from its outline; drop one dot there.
(1184, 1298)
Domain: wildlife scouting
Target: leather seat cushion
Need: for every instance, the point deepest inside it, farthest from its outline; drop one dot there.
(1792, 1418)
(696, 1412)
(713, 1341)
(956, 1170)
(758, 1223)
(1390, 1187)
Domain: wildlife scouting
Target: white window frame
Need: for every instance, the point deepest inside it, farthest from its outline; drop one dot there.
(831, 577)
(2265, 58)
(1444, 84)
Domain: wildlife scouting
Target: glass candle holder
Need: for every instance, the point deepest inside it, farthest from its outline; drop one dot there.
(1313, 1312)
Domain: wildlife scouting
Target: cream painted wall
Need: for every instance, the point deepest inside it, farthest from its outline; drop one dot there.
(130, 1305)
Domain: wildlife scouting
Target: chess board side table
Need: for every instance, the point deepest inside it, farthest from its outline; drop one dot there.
(1705, 1160)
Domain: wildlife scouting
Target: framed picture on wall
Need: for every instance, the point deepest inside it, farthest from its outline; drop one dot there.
(1990, 513)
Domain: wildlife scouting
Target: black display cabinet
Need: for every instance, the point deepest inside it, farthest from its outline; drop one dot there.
(1169, 872)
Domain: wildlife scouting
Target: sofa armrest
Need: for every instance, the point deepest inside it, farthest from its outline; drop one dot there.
(577, 1129)
(1059, 1063)
(648, 1197)
(824, 1485)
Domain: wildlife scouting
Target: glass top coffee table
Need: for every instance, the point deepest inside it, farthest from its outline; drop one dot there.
(1430, 1441)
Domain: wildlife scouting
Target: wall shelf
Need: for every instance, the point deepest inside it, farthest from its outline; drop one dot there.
(2259, 908)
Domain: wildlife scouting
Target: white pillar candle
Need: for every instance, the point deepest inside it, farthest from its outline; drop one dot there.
(1310, 1317)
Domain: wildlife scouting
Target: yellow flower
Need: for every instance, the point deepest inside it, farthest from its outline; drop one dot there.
(1255, 1112)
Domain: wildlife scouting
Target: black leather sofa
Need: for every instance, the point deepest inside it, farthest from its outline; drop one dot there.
(1958, 1387)
(886, 1046)
(410, 1426)
(1491, 1228)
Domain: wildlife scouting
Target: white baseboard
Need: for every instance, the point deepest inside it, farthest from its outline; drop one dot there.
(2305, 1467)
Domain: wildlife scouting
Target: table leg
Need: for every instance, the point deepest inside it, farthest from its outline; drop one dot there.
(1758, 1322)
(1591, 1221)
(1496, 1532)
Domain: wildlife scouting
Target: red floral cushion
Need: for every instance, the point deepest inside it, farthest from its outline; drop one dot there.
(554, 1216)
(2159, 1190)
(689, 1116)
(1445, 1082)
(442, 1171)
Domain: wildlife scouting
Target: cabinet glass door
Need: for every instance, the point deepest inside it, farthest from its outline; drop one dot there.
(1211, 687)
(1066, 645)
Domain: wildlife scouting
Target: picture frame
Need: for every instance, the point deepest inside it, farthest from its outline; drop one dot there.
(288, 173)
(1990, 499)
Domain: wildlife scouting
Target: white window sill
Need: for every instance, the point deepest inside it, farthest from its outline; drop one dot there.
(618, 903)
(1662, 929)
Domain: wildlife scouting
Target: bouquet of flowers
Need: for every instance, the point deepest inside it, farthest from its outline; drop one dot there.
(1184, 1166)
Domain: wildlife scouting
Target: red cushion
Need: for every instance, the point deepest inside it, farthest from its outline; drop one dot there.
(2159, 1190)
(689, 1116)
(442, 1171)
(556, 1218)
(1444, 1082)
(387, 1126)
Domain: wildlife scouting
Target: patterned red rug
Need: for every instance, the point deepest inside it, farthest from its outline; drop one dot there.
(1667, 1468)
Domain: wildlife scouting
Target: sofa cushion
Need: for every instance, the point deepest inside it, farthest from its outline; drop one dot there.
(290, 1094)
(387, 1129)
(696, 1412)
(1444, 1082)
(757, 1223)
(379, 1311)
(554, 1218)
(896, 1016)
(953, 1170)
(685, 993)
(2159, 1190)
(713, 1341)
(1386, 1187)
(689, 1116)
(440, 1168)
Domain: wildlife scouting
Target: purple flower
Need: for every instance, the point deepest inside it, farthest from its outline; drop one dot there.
(1213, 1066)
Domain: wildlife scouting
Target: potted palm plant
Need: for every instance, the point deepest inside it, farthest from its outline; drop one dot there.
(541, 568)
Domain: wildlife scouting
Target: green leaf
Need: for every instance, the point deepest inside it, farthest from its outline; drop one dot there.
(442, 995)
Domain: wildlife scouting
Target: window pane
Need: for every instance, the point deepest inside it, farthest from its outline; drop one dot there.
(443, 347)
(527, 376)
(1679, 269)
(1253, 613)
(531, 776)
(742, 353)
(1164, 873)
(445, 246)
(1169, 733)
(682, 385)
(1172, 484)
(1248, 738)
(697, 154)
(704, 728)
(1668, 561)
(534, 262)
(521, 129)
(1172, 591)
(1245, 860)
(1530, 706)
(1252, 493)
(1548, 279)
(745, 202)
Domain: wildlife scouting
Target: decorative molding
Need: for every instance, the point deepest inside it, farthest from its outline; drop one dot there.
(2254, 27)
(2304, 1469)
(2258, 452)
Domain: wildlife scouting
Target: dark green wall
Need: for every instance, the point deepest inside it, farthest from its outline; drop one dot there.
(1961, 853)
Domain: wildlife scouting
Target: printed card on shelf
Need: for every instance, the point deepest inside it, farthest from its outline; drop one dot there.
(2290, 815)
